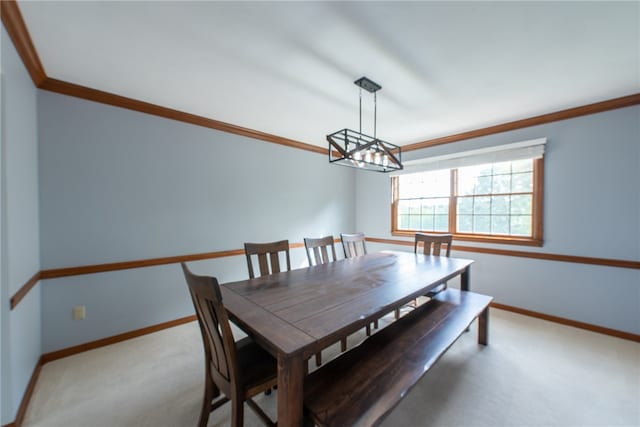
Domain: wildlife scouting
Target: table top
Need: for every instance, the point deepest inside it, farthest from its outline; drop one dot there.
(307, 309)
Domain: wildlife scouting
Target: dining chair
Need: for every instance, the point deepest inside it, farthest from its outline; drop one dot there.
(268, 254)
(431, 244)
(353, 244)
(240, 369)
(318, 251)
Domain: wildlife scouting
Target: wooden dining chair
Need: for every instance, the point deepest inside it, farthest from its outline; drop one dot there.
(318, 251)
(240, 369)
(431, 244)
(268, 255)
(353, 244)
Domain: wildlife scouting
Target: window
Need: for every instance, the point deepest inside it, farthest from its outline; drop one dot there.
(496, 202)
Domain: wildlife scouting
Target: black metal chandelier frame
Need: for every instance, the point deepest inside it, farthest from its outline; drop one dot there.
(356, 149)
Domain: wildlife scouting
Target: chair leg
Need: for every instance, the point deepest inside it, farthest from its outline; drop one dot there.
(206, 401)
(237, 412)
(368, 327)
(397, 313)
(318, 358)
(375, 323)
(343, 345)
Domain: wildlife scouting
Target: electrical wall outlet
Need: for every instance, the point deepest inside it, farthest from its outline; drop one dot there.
(79, 312)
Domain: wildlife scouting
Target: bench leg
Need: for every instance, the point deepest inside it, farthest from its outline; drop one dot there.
(483, 327)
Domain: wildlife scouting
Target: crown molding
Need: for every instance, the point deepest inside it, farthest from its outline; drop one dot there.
(597, 107)
(16, 27)
(83, 92)
(17, 30)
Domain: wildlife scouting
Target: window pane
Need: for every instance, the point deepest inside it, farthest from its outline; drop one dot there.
(465, 223)
(521, 225)
(521, 205)
(441, 223)
(522, 182)
(403, 222)
(482, 224)
(500, 205)
(522, 165)
(427, 223)
(502, 168)
(442, 206)
(501, 184)
(466, 183)
(427, 207)
(482, 185)
(482, 205)
(414, 207)
(414, 222)
(500, 224)
(425, 184)
(465, 205)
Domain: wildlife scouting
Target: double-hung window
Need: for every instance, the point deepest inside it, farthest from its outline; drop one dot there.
(474, 198)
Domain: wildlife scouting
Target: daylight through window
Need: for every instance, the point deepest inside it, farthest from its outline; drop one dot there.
(498, 202)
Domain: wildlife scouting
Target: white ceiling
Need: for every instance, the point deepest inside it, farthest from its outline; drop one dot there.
(287, 68)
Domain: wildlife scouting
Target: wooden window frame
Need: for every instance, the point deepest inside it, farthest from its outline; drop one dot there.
(536, 238)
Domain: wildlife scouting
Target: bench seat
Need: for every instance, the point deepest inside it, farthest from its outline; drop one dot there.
(361, 386)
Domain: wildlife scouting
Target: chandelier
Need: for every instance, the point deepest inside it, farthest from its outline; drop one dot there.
(355, 149)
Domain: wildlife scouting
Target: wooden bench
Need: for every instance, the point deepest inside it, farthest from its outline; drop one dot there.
(363, 385)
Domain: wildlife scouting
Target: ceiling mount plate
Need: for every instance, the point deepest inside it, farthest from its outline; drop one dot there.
(368, 85)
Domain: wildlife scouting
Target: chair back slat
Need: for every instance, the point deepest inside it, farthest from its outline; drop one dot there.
(217, 338)
(268, 255)
(353, 244)
(433, 244)
(318, 250)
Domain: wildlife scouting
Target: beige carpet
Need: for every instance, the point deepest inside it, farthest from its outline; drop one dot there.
(533, 373)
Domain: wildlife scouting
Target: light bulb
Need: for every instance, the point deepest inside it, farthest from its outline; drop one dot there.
(357, 156)
(367, 156)
(385, 161)
(377, 158)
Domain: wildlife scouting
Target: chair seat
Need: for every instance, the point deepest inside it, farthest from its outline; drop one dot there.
(255, 364)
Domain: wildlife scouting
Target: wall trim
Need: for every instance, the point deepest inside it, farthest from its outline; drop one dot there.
(28, 393)
(125, 265)
(607, 262)
(24, 290)
(17, 30)
(568, 322)
(81, 348)
(150, 262)
(83, 92)
(583, 110)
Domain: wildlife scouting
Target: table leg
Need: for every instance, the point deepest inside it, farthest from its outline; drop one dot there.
(290, 390)
(464, 279)
(483, 327)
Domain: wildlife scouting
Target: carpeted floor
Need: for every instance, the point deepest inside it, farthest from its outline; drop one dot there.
(533, 373)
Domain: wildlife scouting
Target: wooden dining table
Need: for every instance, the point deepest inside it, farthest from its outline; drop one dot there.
(297, 313)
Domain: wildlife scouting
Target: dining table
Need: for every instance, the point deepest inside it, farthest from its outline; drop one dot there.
(298, 313)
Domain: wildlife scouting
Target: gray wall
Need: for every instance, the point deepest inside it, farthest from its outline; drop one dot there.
(117, 185)
(21, 335)
(591, 208)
